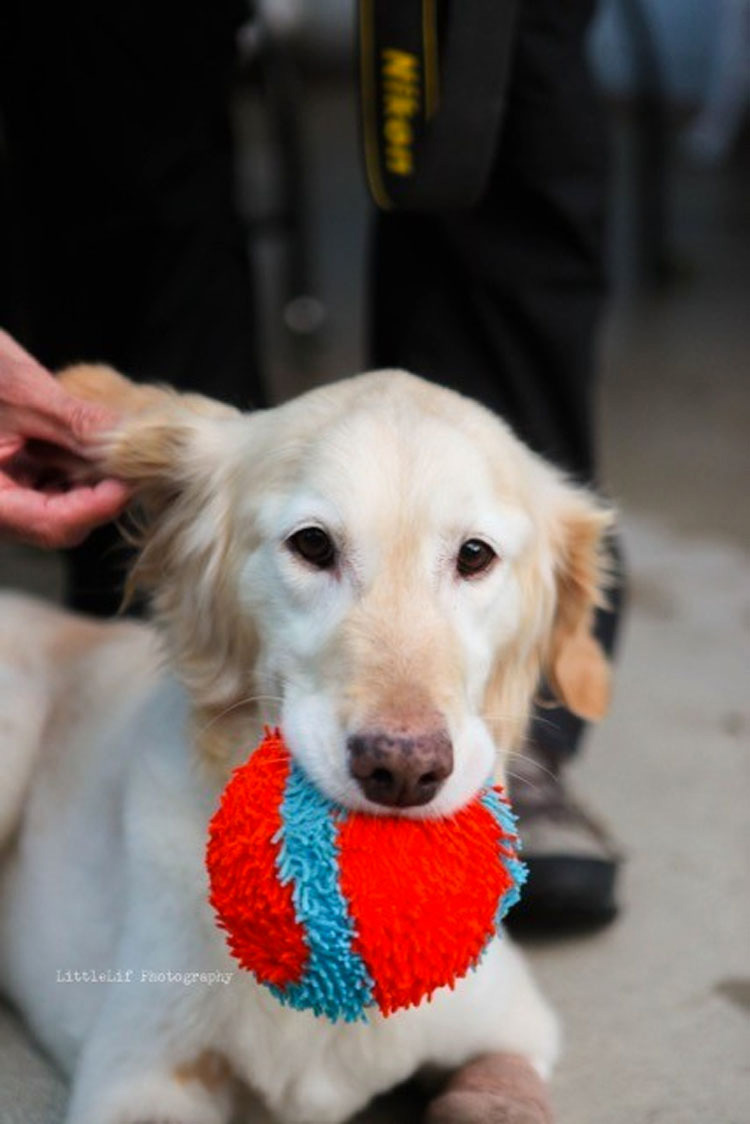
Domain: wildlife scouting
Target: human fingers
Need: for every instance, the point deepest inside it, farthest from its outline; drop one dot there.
(58, 519)
(33, 404)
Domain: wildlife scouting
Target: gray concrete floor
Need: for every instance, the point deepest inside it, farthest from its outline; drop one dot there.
(657, 1008)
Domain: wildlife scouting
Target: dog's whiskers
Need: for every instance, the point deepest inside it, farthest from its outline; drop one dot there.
(510, 716)
(247, 701)
(532, 760)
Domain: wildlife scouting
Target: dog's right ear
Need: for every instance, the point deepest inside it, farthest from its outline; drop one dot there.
(98, 383)
(180, 453)
(174, 450)
(159, 432)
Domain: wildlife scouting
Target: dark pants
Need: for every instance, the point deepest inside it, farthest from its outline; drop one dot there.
(121, 189)
(125, 240)
(503, 302)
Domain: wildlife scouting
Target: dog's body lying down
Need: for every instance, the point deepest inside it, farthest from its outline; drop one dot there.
(380, 557)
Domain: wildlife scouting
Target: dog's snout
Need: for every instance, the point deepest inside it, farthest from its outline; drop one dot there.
(400, 770)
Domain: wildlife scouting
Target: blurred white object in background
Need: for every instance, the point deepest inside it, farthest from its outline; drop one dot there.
(711, 136)
(322, 29)
(281, 17)
(681, 35)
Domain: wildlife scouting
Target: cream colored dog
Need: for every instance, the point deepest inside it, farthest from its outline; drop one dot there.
(380, 562)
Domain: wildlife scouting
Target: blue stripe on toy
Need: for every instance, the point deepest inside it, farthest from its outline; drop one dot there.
(498, 807)
(336, 982)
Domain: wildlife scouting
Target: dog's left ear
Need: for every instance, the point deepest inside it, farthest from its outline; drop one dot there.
(575, 665)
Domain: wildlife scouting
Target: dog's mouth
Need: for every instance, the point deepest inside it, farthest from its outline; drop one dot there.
(418, 771)
(428, 798)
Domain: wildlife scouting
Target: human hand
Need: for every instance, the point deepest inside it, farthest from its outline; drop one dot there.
(51, 493)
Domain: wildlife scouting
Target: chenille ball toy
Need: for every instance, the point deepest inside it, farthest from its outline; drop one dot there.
(340, 911)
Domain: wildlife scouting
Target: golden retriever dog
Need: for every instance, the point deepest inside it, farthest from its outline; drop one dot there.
(379, 562)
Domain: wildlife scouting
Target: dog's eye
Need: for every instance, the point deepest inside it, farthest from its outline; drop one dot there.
(474, 558)
(314, 546)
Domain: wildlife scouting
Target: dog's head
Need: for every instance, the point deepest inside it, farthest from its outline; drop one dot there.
(382, 558)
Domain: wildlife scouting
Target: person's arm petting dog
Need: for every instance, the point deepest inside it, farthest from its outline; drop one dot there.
(50, 492)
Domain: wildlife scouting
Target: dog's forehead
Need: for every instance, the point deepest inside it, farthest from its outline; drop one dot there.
(397, 458)
(394, 465)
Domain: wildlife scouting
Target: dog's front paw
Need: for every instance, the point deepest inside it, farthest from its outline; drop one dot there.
(496, 1089)
(484, 1108)
(156, 1120)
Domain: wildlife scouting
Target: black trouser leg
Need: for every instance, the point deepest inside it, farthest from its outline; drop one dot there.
(503, 302)
(130, 250)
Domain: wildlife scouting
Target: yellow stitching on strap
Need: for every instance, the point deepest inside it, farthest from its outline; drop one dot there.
(369, 108)
(430, 51)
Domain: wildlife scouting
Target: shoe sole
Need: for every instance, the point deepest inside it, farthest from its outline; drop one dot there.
(565, 894)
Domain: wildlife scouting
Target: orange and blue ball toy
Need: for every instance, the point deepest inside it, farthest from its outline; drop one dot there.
(339, 911)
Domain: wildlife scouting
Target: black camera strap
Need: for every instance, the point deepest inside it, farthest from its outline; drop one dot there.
(432, 76)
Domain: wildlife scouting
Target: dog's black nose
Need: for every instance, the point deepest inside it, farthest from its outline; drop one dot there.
(400, 770)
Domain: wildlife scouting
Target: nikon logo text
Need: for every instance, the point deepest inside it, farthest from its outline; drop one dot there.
(401, 101)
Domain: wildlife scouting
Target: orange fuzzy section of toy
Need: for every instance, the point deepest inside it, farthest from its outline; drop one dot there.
(257, 911)
(426, 907)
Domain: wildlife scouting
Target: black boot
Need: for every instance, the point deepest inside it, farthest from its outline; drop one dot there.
(572, 860)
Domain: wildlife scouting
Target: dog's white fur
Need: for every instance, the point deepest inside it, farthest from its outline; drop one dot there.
(113, 757)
